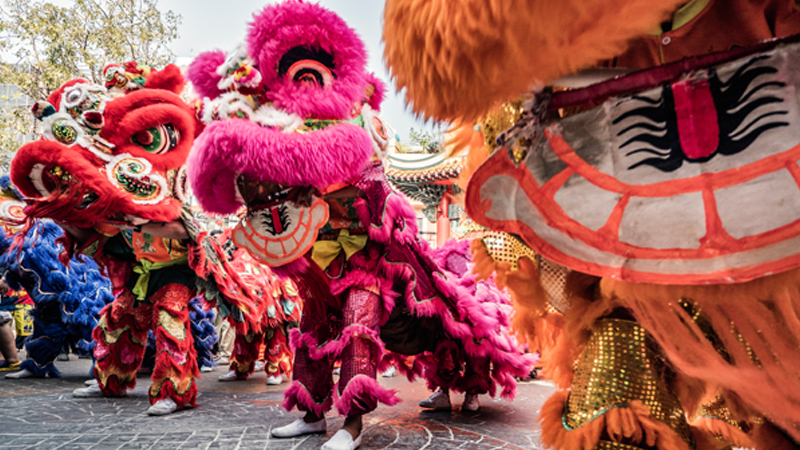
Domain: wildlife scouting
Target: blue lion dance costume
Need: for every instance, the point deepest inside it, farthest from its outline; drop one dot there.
(68, 299)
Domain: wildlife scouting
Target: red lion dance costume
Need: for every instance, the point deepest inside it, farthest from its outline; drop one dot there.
(671, 194)
(292, 133)
(110, 169)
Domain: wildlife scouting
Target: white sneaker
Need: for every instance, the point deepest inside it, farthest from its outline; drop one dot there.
(206, 369)
(342, 440)
(24, 373)
(259, 366)
(90, 382)
(299, 428)
(471, 403)
(88, 392)
(274, 380)
(439, 401)
(162, 407)
(230, 376)
(390, 372)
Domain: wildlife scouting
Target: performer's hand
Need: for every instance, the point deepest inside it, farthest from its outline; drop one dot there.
(78, 233)
(4, 287)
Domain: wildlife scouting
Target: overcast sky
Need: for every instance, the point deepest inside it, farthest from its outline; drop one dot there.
(214, 24)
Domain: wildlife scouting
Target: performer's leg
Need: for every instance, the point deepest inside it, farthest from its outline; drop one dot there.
(176, 360)
(49, 336)
(311, 390)
(278, 355)
(8, 347)
(359, 392)
(244, 356)
(476, 381)
(120, 339)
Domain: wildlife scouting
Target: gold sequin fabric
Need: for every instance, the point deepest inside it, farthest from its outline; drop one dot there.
(619, 366)
(503, 247)
(500, 120)
(554, 279)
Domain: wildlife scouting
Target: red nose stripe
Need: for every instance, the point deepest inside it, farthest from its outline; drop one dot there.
(697, 118)
(276, 220)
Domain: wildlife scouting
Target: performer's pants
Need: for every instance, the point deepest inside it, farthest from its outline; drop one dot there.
(121, 337)
(271, 347)
(50, 336)
(359, 356)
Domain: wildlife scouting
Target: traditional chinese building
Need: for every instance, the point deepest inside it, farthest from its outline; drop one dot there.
(430, 180)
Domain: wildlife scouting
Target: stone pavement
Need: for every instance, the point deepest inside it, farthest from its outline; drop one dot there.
(41, 414)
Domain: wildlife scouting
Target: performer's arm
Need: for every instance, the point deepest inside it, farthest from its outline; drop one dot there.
(80, 235)
(169, 230)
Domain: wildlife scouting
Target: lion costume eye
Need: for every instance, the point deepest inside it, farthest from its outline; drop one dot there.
(158, 140)
(311, 72)
(73, 97)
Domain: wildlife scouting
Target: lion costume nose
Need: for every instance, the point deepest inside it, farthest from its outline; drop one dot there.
(93, 120)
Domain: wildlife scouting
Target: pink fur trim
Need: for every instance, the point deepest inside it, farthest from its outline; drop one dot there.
(278, 28)
(363, 390)
(202, 73)
(296, 395)
(230, 147)
(379, 93)
(335, 347)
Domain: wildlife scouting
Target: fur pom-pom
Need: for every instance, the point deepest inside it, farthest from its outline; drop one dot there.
(202, 73)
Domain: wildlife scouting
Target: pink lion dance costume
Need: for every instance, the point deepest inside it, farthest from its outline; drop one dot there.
(292, 133)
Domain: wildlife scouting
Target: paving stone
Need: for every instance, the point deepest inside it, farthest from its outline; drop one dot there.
(41, 414)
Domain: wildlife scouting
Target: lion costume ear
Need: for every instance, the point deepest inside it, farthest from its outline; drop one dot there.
(491, 51)
(169, 78)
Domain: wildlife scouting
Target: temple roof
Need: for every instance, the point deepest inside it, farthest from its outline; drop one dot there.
(425, 177)
(422, 168)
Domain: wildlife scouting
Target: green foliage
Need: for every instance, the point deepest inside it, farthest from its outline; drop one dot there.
(45, 45)
(16, 127)
(51, 44)
(430, 142)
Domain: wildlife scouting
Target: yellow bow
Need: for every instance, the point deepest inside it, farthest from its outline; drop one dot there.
(324, 252)
(145, 267)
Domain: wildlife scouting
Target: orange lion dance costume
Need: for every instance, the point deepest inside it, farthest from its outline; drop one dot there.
(667, 195)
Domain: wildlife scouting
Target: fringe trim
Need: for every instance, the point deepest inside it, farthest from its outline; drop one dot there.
(296, 395)
(335, 347)
(720, 429)
(757, 326)
(631, 424)
(168, 390)
(363, 390)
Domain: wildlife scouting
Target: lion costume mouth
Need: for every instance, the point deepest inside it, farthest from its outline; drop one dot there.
(282, 221)
(109, 156)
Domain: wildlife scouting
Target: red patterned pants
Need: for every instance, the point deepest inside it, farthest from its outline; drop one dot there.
(121, 337)
(271, 347)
